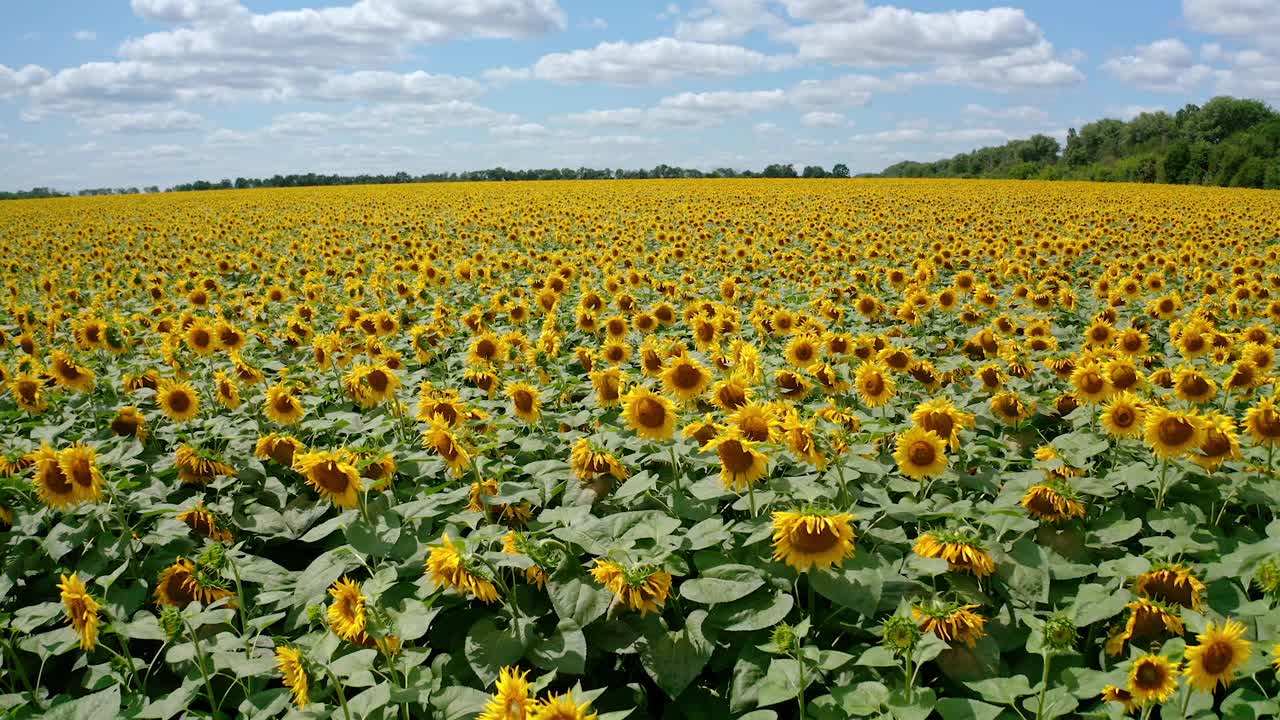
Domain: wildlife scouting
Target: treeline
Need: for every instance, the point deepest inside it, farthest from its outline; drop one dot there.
(1227, 142)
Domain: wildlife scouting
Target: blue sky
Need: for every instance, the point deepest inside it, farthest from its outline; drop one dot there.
(96, 93)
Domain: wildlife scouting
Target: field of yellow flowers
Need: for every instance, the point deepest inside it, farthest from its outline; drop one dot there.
(681, 449)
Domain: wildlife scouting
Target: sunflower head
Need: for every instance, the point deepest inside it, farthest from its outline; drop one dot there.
(650, 415)
(511, 698)
(1152, 679)
(81, 609)
(1173, 433)
(921, 453)
(1220, 652)
(951, 622)
(333, 474)
(641, 587)
(741, 463)
(449, 566)
(293, 669)
(809, 539)
(347, 615)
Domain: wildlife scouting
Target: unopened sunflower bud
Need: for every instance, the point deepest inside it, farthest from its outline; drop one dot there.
(1268, 577)
(214, 556)
(784, 636)
(1059, 634)
(900, 634)
(171, 622)
(315, 614)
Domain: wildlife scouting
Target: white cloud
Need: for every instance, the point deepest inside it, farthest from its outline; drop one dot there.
(654, 62)
(14, 81)
(388, 118)
(724, 20)
(504, 74)
(1165, 65)
(381, 85)
(845, 91)
(84, 35)
(1257, 20)
(174, 12)
(143, 122)
(1025, 113)
(966, 136)
(725, 101)
(822, 119)
(519, 130)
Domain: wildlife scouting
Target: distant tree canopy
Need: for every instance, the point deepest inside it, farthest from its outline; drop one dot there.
(1227, 142)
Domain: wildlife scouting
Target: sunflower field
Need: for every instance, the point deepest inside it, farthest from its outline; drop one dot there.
(683, 449)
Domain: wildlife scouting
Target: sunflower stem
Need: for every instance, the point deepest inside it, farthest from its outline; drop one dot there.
(341, 692)
(1044, 687)
(1186, 700)
(751, 497)
(1164, 472)
(675, 470)
(22, 671)
(208, 683)
(907, 675)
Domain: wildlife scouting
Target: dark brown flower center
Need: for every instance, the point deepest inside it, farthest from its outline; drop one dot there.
(650, 413)
(1175, 431)
(921, 453)
(1217, 657)
(179, 401)
(735, 457)
(807, 541)
(330, 477)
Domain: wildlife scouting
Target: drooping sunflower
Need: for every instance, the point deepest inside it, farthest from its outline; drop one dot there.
(1114, 694)
(199, 467)
(952, 623)
(649, 415)
(608, 384)
(1053, 501)
(1173, 433)
(347, 616)
(1124, 415)
(53, 486)
(588, 461)
(1220, 442)
(333, 474)
(205, 522)
(800, 437)
(129, 422)
(225, 391)
(731, 393)
(79, 466)
(1220, 652)
(1148, 620)
(370, 384)
(1152, 678)
(741, 464)
(511, 699)
(526, 401)
(805, 539)
(921, 453)
(942, 417)
(183, 583)
(440, 438)
(293, 670)
(1009, 407)
(962, 552)
(639, 587)
(70, 374)
(874, 384)
(514, 543)
(81, 609)
(685, 378)
(178, 401)
(702, 431)
(1262, 422)
(282, 406)
(562, 707)
(448, 567)
(278, 447)
(1171, 584)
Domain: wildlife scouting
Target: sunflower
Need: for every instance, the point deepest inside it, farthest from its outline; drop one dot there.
(962, 553)
(812, 539)
(921, 453)
(201, 338)
(1053, 501)
(6, 517)
(1148, 620)
(511, 699)
(952, 623)
(333, 474)
(1172, 584)
(486, 348)
(685, 378)
(28, 393)
(943, 418)
(1173, 433)
(1262, 422)
(799, 436)
(608, 385)
(347, 616)
(205, 522)
(561, 707)
(293, 669)
(649, 415)
(1152, 678)
(1009, 408)
(731, 393)
(449, 568)
(79, 466)
(1124, 415)
(874, 384)
(639, 587)
(615, 352)
(198, 467)
(1220, 442)
(791, 385)
(802, 351)
(70, 374)
(1114, 694)
(278, 447)
(526, 401)
(1220, 652)
(129, 422)
(741, 464)
(178, 401)
(1244, 377)
(82, 610)
(370, 384)
(1091, 383)
(440, 438)
(182, 583)
(513, 543)
(588, 461)
(758, 422)
(282, 406)
(53, 486)
(1193, 386)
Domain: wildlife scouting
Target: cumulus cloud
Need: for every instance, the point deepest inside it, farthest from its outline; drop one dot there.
(1165, 65)
(168, 121)
(383, 85)
(653, 62)
(1257, 20)
(822, 119)
(14, 81)
(1025, 113)
(388, 118)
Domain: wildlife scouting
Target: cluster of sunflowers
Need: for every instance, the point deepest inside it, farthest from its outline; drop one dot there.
(569, 450)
